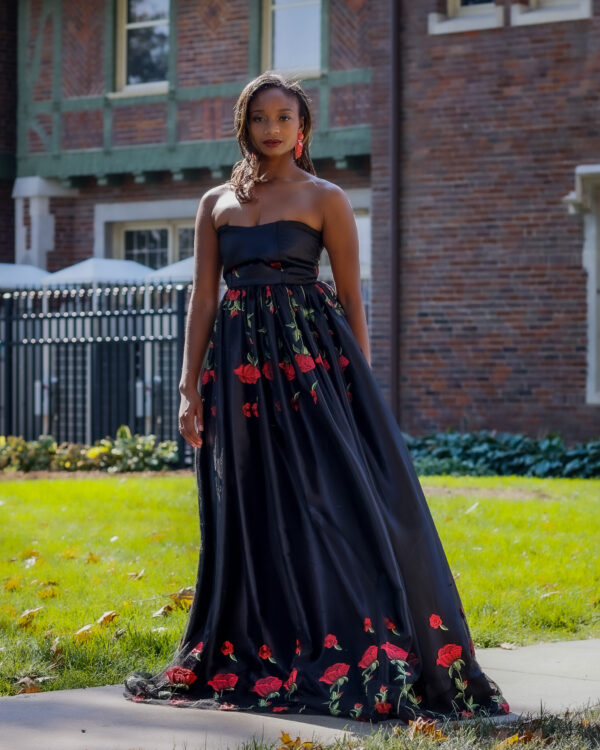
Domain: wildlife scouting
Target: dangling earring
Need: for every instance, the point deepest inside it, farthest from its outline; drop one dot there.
(252, 156)
(299, 144)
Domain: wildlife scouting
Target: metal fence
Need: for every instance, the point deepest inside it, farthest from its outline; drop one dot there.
(77, 363)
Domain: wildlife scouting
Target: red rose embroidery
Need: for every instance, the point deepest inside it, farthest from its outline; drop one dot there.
(334, 673)
(267, 370)
(344, 361)
(207, 375)
(368, 657)
(223, 681)
(232, 294)
(180, 676)
(368, 625)
(382, 708)
(435, 621)
(268, 290)
(227, 706)
(390, 625)
(505, 707)
(330, 641)
(247, 373)
(250, 409)
(288, 369)
(358, 705)
(305, 362)
(275, 264)
(394, 652)
(448, 654)
(233, 313)
(291, 679)
(297, 641)
(264, 651)
(197, 648)
(279, 708)
(227, 647)
(266, 685)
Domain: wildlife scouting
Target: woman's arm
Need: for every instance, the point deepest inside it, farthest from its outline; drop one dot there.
(201, 315)
(340, 237)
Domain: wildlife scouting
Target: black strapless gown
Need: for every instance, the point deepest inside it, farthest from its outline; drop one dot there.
(322, 584)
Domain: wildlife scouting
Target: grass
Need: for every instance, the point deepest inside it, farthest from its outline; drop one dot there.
(115, 548)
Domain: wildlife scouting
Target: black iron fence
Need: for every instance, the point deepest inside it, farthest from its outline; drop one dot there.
(77, 363)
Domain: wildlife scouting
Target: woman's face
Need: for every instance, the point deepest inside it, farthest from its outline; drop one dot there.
(273, 122)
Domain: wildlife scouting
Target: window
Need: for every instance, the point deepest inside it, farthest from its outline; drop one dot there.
(549, 11)
(292, 37)
(152, 243)
(466, 15)
(142, 45)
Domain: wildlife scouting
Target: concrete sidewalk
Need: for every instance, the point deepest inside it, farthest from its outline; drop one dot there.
(547, 676)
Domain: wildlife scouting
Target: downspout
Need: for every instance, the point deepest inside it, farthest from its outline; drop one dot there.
(394, 222)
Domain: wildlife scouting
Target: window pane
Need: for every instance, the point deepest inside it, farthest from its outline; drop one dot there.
(147, 54)
(186, 242)
(147, 10)
(147, 246)
(297, 37)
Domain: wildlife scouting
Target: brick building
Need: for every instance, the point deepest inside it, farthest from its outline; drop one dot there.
(466, 134)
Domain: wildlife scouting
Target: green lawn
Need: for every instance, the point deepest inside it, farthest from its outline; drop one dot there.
(523, 551)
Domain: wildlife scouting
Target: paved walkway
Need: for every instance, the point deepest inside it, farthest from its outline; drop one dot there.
(547, 676)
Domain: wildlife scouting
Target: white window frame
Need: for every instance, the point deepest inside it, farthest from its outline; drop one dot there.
(267, 43)
(123, 89)
(549, 11)
(106, 214)
(586, 200)
(171, 225)
(465, 18)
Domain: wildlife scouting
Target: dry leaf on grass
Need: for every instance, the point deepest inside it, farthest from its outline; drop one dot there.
(425, 726)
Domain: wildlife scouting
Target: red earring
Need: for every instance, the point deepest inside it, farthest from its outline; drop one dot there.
(299, 145)
(252, 155)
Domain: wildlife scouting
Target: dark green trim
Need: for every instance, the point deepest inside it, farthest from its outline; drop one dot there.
(255, 40)
(213, 155)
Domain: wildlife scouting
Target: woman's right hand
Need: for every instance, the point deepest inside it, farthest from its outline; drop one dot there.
(191, 418)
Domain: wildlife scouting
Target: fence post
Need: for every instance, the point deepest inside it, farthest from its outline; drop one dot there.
(180, 322)
(8, 362)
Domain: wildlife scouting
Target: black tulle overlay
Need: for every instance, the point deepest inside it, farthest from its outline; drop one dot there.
(322, 584)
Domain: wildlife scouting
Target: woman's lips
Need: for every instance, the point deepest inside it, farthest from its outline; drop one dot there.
(271, 143)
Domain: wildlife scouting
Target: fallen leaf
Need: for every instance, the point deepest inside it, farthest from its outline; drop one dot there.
(27, 616)
(108, 616)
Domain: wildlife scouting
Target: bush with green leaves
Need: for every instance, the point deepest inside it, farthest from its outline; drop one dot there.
(502, 453)
(125, 452)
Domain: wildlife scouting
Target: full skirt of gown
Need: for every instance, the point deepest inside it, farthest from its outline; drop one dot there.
(322, 584)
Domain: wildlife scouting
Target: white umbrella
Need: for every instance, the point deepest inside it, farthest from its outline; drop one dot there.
(21, 275)
(99, 271)
(182, 271)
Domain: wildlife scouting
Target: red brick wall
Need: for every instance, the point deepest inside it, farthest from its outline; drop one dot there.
(493, 330)
(8, 105)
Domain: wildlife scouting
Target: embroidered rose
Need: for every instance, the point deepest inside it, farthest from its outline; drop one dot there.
(331, 641)
(267, 685)
(264, 651)
(279, 708)
(291, 680)
(232, 294)
(267, 370)
(435, 621)
(288, 369)
(223, 681)
(394, 652)
(207, 375)
(344, 361)
(368, 657)
(305, 362)
(180, 676)
(250, 409)
(227, 647)
(382, 708)
(197, 648)
(448, 654)
(334, 673)
(368, 625)
(247, 373)
(297, 646)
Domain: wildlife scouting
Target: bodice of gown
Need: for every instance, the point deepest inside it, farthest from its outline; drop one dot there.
(279, 252)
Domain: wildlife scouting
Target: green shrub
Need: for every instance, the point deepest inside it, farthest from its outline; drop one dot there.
(126, 452)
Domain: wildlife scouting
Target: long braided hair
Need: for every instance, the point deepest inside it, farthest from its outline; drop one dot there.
(244, 174)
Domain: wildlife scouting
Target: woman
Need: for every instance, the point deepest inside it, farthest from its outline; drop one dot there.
(322, 583)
